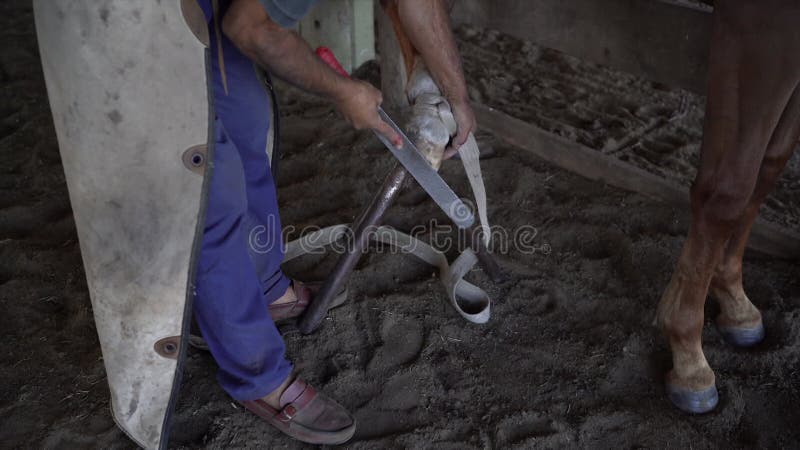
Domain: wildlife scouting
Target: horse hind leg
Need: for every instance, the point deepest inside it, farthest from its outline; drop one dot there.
(740, 321)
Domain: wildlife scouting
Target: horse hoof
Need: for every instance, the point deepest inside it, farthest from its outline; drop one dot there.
(743, 337)
(693, 402)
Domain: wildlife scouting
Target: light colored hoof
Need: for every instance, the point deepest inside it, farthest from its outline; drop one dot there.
(743, 337)
(693, 402)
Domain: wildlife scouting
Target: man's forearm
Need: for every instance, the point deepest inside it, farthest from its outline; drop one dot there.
(427, 26)
(286, 55)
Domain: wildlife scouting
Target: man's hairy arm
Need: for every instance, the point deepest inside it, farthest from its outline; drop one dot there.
(286, 55)
(427, 25)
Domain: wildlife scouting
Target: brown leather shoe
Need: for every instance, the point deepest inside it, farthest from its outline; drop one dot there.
(304, 292)
(307, 415)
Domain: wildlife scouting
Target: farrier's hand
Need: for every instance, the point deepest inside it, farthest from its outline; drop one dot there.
(466, 124)
(358, 102)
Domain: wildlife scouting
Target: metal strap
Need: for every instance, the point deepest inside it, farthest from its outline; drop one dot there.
(470, 301)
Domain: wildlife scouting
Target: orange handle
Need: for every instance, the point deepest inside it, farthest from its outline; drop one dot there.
(327, 56)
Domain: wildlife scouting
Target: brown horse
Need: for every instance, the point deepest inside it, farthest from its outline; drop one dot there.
(752, 125)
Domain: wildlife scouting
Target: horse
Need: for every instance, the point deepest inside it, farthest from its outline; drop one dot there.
(751, 128)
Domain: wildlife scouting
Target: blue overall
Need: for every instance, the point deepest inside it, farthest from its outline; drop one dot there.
(238, 273)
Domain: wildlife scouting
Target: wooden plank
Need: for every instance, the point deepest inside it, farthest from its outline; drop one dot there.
(660, 41)
(766, 237)
(394, 74)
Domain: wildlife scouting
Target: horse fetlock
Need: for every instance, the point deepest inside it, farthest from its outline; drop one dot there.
(738, 313)
(690, 371)
(673, 311)
(736, 309)
(728, 275)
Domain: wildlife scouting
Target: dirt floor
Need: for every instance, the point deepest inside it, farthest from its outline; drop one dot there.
(570, 358)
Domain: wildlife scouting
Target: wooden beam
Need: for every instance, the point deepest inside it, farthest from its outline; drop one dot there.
(766, 237)
(660, 41)
(394, 73)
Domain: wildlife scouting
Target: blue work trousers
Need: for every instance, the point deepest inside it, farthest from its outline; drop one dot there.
(239, 272)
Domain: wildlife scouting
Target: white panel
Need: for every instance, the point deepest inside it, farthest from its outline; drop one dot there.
(127, 87)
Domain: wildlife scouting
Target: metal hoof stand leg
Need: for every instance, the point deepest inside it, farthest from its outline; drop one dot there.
(360, 239)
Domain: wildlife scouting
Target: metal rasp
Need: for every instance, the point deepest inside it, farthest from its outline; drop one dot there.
(414, 161)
